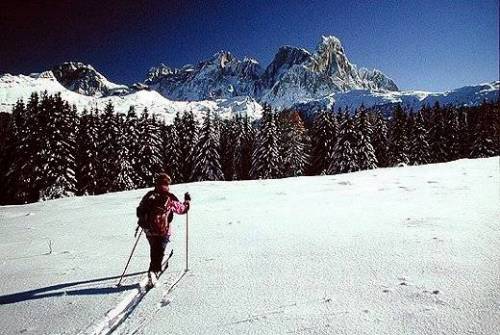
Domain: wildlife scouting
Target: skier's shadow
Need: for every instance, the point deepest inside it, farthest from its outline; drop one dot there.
(46, 292)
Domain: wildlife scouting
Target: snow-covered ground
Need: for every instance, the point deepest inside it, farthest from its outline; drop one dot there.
(411, 250)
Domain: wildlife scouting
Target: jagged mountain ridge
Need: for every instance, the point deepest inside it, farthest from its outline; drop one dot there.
(293, 73)
(295, 78)
(221, 76)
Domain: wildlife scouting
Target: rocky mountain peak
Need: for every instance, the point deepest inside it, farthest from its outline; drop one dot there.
(379, 80)
(84, 79)
(157, 72)
(331, 60)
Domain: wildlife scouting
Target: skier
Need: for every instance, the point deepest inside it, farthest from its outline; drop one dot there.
(155, 213)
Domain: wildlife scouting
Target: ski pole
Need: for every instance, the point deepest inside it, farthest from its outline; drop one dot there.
(187, 197)
(130, 257)
(187, 241)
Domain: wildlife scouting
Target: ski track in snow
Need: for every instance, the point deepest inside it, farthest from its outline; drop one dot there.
(126, 306)
(411, 250)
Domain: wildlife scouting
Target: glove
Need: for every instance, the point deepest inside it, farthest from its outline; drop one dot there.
(187, 196)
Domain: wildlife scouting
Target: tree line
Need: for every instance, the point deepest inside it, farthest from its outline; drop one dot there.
(49, 150)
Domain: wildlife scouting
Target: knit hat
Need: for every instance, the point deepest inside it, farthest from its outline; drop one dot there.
(162, 179)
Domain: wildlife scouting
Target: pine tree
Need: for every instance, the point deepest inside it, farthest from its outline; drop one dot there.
(207, 160)
(171, 153)
(452, 134)
(380, 140)
(133, 144)
(187, 128)
(419, 150)
(21, 176)
(398, 137)
(464, 130)
(295, 157)
(245, 148)
(365, 153)
(323, 139)
(344, 153)
(125, 175)
(108, 149)
(57, 159)
(88, 159)
(229, 139)
(486, 124)
(266, 158)
(7, 154)
(437, 134)
(150, 150)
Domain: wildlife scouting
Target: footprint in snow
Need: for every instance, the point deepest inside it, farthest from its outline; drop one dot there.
(435, 292)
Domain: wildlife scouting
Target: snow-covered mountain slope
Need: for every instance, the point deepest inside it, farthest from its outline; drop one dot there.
(410, 250)
(13, 88)
(17, 87)
(464, 96)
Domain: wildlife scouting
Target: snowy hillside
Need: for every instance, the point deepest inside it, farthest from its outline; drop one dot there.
(464, 96)
(13, 88)
(411, 250)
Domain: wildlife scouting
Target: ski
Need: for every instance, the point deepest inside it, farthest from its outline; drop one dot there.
(164, 298)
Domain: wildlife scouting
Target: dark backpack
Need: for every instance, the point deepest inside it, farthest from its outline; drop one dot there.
(151, 205)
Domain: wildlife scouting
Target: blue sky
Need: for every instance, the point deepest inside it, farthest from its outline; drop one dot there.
(428, 45)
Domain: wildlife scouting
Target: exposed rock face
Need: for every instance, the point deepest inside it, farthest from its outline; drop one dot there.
(222, 76)
(84, 79)
(293, 75)
(378, 79)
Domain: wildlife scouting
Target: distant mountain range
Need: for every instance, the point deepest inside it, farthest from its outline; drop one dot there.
(296, 78)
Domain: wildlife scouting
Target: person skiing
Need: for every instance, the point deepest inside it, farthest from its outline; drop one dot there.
(155, 213)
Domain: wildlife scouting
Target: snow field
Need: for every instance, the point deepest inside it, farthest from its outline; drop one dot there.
(410, 250)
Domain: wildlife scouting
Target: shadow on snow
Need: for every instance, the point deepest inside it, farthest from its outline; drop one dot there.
(47, 292)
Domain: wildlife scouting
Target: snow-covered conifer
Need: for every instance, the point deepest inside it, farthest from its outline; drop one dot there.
(344, 157)
(266, 158)
(419, 149)
(365, 153)
(245, 147)
(398, 137)
(295, 157)
(206, 158)
(380, 140)
(149, 155)
(57, 159)
(187, 128)
(323, 138)
(87, 158)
